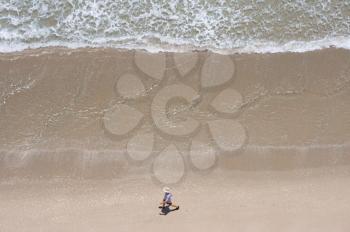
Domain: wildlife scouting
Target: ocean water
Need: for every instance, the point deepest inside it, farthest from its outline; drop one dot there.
(231, 26)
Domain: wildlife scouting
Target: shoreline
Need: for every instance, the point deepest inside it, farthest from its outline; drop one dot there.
(284, 98)
(280, 157)
(88, 49)
(261, 48)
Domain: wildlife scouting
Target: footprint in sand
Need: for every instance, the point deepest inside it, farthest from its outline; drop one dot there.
(208, 138)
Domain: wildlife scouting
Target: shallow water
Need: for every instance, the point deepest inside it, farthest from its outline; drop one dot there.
(105, 113)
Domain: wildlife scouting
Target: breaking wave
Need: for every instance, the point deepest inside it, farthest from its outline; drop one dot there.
(158, 25)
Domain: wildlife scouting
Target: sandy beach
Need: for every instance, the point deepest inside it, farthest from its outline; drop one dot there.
(247, 142)
(308, 200)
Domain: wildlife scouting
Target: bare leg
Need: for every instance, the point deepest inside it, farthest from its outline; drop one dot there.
(175, 206)
(162, 204)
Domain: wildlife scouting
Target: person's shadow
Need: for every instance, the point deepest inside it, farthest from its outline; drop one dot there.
(165, 210)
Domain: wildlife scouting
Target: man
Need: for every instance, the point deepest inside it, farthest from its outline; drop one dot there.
(167, 200)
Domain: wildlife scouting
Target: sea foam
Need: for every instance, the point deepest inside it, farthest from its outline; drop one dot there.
(159, 25)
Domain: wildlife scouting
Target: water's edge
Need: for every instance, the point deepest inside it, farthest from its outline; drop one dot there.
(257, 47)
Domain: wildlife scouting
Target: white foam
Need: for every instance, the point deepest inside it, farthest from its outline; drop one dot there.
(172, 45)
(173, 25)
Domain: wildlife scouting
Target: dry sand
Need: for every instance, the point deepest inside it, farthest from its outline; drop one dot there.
(312, 200)
(251, 142)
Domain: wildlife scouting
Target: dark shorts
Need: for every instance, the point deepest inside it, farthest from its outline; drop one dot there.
(168, 203)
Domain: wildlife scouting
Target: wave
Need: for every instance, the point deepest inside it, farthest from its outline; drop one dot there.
(171, 45)
(222, 26)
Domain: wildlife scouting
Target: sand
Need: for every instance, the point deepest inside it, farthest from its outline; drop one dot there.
(247, 142)
(316, 200)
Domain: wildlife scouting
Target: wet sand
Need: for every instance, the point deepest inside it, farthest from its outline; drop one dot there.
(252, 142)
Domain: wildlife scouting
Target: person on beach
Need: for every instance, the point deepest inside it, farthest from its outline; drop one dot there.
(167, 200)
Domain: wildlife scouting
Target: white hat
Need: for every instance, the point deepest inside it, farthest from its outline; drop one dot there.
(166, 189)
